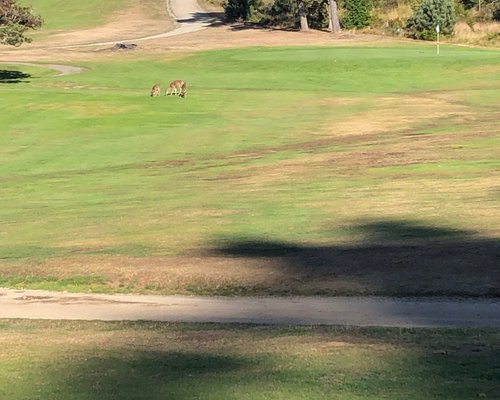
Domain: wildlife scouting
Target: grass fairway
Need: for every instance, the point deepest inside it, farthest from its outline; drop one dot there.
(89, 360)
(73, 14)
(319, 170)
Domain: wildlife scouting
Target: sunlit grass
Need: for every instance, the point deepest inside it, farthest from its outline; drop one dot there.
(291, 145)
(75, 14)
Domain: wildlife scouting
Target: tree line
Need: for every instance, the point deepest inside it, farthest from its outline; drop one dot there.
(16, 20)
(357, 14)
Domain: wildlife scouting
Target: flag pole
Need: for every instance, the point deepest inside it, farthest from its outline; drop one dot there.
(437, 30)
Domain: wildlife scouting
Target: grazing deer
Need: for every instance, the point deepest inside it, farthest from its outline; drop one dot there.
(155, 90)
(177, 87)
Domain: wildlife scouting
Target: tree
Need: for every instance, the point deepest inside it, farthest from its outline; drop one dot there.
(422, 24)
(15, 20)
(303, 15)
(334, 17)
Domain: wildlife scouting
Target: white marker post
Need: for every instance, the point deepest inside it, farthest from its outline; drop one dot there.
(437, 30)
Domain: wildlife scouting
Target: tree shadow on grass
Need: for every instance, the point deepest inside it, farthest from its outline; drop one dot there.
(396, 258)
(394, 363)
(10, 76)
(251, 26)
(212, 19)
(216, 19)
(136, 374)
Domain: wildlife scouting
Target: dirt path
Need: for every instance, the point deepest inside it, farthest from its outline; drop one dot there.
(357, 311)
(189, 17)
(62, 69)
(193, 30)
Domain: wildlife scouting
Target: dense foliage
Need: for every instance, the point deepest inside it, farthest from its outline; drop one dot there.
(15, 20)
(235, 10)
(357, 13)
(285, 13)
(390, 16)
(487, 9)
(491, 9)
(431, 13)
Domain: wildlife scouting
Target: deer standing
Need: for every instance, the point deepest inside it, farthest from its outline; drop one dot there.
(177, 87)
(155, 90)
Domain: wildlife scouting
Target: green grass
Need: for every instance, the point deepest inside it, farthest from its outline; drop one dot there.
(88, 360)
(70, 283)
(301, 146)
(73, 14)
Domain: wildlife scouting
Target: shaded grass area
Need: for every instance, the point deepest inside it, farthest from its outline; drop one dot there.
(142, 360)
(8, 76)
(368, 160)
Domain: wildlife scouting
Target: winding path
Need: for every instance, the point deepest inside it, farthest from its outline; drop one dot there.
(62, 69)
(189, 17)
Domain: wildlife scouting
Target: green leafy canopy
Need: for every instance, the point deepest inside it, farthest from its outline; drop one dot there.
(15, 20)
(431, 13)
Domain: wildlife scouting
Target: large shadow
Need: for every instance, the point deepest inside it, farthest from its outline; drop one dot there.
(138, 374)
(209, 18)
(396, 258)
(427, 365)
(215, 19)
(11, 76)
(251, 26)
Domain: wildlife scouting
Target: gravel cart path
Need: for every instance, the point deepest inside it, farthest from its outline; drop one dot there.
(358, 311)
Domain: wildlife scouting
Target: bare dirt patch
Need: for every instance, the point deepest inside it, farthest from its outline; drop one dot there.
(212, 38)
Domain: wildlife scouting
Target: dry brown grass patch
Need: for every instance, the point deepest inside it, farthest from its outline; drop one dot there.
(136, 21)
(378, 132)
(480, 33)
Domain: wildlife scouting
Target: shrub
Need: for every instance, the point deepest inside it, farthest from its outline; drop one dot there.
(422, 24)
(317, 14)
(284, 13)
(235, 10)
(395, 26)
(357, 13)
(492, 10)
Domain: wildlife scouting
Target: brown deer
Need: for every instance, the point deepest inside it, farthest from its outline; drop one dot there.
(177, 87)
(155, 90)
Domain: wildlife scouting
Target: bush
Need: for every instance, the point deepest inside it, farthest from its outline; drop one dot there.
(395, 26)
(281, 13)
(422, 24)
(284, 13)
(235, 10)
(491, 10)
(317, 14)
(357, 13)
(496, 13)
